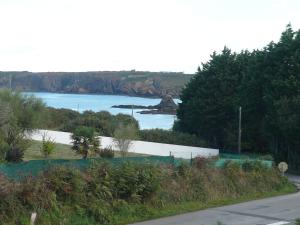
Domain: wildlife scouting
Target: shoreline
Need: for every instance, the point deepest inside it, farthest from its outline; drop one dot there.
(93, 93)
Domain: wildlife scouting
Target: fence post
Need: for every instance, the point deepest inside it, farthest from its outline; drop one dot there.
(32, 218)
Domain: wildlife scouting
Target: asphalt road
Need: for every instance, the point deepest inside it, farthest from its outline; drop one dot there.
(271, 211)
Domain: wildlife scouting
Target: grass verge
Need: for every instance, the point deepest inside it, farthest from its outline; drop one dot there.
(192, 206)
(61, 151)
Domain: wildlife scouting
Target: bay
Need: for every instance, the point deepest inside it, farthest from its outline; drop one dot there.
(99, 102)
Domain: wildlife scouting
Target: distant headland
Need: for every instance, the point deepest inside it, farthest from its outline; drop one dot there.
(132, 83)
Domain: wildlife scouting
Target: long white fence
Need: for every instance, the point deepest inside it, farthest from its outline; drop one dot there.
(142, 147)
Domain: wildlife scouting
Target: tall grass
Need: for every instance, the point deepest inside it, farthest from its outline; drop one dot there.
(107, 194)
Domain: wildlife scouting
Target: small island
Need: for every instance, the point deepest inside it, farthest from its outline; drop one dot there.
(166, 106)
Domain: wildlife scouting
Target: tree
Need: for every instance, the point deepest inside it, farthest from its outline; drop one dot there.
(266, 83)
(85, 142)
(19, 115)
(123, 137)
(48, 146)
(210, 101)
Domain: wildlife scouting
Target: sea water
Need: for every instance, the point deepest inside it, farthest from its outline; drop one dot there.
(99, 102)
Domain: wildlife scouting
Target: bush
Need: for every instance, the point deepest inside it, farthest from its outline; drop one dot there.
(254, 165)
(5, 186)
(170, 137)
(202, 162)
(135, 183)
(48, 146)
(109, 195)
(107, 152)
(85, 142)
(4, 148)
(123, 138)
(15, 155)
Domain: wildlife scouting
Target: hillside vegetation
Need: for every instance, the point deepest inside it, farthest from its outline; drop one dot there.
(109, 195)
(134, 83)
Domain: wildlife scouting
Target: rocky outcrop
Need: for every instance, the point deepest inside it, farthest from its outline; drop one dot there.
(166, 106)
(133, 83)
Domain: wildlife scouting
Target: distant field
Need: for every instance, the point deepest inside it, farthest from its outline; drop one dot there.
(61, 152)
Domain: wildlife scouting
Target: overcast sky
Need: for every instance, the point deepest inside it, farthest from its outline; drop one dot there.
(155, 35)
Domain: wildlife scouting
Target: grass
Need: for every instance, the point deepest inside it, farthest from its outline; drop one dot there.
(191, 206)
(61, 152)
(142, 212)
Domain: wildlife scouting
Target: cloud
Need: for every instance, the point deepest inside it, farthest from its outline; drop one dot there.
(169, 35)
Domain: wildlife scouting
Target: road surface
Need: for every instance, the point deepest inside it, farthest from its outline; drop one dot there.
(271, 211)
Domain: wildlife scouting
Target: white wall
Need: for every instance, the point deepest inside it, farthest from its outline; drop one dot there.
(142, 147)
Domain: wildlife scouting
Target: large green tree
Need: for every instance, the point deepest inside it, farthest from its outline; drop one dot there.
(210, 101)
(19, 115)
(266, 83)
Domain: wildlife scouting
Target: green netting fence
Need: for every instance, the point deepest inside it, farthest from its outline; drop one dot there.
(222, 161)
(34, 167)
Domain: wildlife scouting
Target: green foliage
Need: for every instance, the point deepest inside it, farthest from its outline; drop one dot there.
(106, 124)
(102, 122)
(85, 141)
(220, 223)
(298, 221)
(265, 83)
(48, 146)
(19, 115)
(15, 155)
(171, 137)
(107, 152)
(123, 137)
(4, 148)
(58, 119)
(107, 194)
(256, 165)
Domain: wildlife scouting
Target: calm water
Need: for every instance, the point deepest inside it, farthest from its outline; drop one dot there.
(97, 103)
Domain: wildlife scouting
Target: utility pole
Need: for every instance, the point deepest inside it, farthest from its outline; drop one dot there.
(10, 81)
(240, 130)
(132, 110)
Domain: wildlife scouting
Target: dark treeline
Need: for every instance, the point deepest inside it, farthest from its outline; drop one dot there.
(265, 83)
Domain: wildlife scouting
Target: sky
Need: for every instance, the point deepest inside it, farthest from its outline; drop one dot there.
(147, 35)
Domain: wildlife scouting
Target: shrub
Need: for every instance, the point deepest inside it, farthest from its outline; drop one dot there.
(4, 148)
(123, 137)
(5, 186)
(108, 194)
(202, 162)
(85, 141)
(107, 152)
(183, 169)
(133, 182)
(253, 165)
(15, 155)
(171, 137)
(48, 146)
(102, 122)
